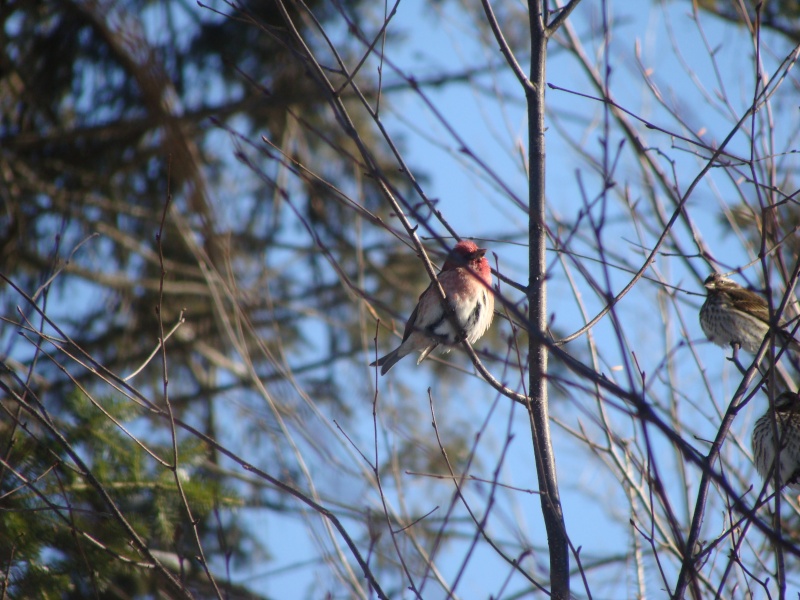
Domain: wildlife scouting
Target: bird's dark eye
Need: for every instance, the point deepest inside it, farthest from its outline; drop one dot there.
(784, 402)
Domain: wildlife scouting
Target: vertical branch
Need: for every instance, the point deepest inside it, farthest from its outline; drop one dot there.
(537, 302)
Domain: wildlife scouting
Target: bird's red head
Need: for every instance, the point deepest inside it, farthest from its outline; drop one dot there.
(467, 254)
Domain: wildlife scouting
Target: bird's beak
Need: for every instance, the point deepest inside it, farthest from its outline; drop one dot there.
(480, 252)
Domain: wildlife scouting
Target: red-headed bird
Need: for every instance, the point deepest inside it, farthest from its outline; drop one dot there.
(467, 280)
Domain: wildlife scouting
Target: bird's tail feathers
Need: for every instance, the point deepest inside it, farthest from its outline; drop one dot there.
(388, 361)
(391, 359)
(790, 342)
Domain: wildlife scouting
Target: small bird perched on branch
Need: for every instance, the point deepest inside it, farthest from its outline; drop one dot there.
(787, 458)
(733, 315)
(466, 279)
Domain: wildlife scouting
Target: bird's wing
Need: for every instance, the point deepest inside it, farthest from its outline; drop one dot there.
(411, 323)
(425, 299)
(429, 312)
(749, 302)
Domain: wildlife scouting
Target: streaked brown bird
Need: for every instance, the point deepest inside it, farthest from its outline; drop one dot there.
(732, 314)
(787, 419)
